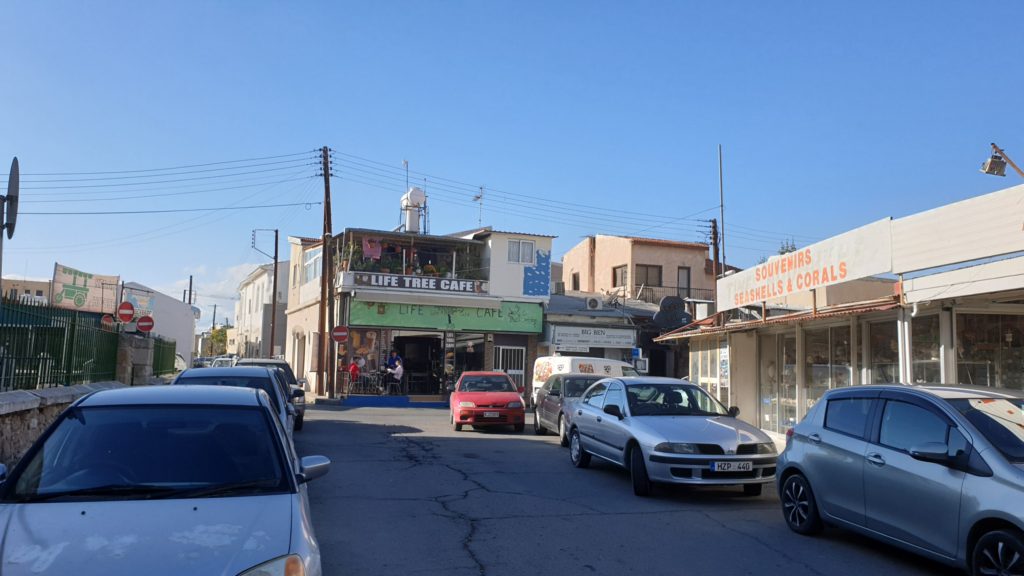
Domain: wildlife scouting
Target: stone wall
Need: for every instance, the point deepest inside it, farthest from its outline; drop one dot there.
(134, 359)
(25, 414)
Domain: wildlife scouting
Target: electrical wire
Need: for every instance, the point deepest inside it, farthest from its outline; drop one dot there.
(112, 212)
(163, 174)
(164, 194)
(173, 181)
(169, 168)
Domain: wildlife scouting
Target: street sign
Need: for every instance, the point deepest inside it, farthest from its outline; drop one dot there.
(125, 312)
(339, 334)
(145, 324)
(107, 322)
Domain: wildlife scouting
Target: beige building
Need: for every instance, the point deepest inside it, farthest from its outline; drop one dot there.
(301, 336)
(35, 291)
(642, 268)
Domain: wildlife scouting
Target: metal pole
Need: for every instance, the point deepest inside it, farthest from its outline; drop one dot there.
(273, 301)
(190, 289)
(721, 205)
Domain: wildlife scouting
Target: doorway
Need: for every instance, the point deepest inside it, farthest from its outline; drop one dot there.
(512, 361)
(422, 361)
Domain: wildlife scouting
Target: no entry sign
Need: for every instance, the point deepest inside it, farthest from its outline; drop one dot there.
(145, 324)
(107, 321)
(339, 334)
(125, 312)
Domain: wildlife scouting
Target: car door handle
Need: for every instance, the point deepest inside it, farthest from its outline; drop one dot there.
(814, 438)
(579, 412)
(598, 418)
(876, 459)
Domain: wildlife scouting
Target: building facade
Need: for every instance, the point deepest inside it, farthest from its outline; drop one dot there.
(172, 318)
(253, 312)
(302, 341)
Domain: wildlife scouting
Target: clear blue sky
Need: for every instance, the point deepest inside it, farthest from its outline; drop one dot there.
(589, 117)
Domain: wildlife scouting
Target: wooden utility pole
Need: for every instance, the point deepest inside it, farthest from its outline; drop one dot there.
(325, 292)
(273, 301)
(714, 250)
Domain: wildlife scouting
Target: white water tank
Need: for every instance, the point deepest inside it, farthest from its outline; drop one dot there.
(412, 202)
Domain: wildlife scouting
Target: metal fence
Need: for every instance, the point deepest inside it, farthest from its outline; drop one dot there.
(41, 347)
(163, 356)
(654, 294)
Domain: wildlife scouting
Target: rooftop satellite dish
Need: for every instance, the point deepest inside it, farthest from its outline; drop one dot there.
(12, 199)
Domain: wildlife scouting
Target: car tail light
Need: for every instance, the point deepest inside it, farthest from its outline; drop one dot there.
(789, 434)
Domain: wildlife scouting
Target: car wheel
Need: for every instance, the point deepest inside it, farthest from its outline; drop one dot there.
(537, 428)
(998, 552)
(456, 426)
(563, 437)
(298, 422)
(752, 489)
(580, 457)
(798, 506)
(638, 472)
(519, 427)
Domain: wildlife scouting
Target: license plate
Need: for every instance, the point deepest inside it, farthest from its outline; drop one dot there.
(490, 414)
(732, 466)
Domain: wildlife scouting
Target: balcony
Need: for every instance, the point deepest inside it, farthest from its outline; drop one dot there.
(654, 294)
(413, 255)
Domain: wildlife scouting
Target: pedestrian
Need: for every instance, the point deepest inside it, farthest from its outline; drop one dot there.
(353, 374)
(396, 377)
(393, 359)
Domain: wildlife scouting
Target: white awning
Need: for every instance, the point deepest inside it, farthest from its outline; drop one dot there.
(404, 297)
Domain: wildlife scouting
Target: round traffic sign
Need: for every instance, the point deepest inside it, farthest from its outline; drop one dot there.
(145, 324)
(339, 334)
(125, 312)
(107, 321)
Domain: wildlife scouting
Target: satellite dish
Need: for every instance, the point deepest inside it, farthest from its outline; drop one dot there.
(12, 199)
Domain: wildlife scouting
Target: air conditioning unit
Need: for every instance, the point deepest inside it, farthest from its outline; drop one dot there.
(559, 287)
(595, 304)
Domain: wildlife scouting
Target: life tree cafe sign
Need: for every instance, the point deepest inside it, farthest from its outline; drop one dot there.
(510, 317)
(859, 253)
(426, 283)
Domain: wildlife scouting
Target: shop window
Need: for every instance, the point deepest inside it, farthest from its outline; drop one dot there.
(827, 362)
(695, 361)
(884, 352)
(520, 251)
(925, 341)
(647, 275)
(990, 350)
(778, 382)
(619, 276)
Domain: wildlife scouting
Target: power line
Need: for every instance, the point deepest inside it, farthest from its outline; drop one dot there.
(164, 194)
(172, 181)
(168, 168)
(161, 175)
(172, 210)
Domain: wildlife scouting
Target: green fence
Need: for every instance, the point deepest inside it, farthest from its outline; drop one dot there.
(42, 347)
(163, 356)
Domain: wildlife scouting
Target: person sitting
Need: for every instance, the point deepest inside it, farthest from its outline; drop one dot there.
(396, 377)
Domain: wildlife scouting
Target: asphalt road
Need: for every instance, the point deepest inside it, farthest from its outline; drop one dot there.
(407, 495)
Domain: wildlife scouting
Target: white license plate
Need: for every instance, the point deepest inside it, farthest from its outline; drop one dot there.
(490, 414)
(732, 466)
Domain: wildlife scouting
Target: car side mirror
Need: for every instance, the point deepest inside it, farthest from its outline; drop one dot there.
(936, 452)
(313, 467)
(734, 411)
(303, 383)
(450, 387)
(291, 410)
(613, 410)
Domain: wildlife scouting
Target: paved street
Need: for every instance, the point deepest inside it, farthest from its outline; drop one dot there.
(406, 495)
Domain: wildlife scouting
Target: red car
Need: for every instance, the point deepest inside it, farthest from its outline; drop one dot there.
(486, 399)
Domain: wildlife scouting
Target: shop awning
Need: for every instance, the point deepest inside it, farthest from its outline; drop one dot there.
(707, 326)
(402, 297)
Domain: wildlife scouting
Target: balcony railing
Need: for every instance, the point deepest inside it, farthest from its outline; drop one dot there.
(654, 294)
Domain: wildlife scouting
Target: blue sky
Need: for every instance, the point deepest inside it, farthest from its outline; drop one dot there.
(577, 118)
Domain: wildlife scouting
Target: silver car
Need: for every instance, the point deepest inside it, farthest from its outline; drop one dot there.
(554, 405)
(936, 470)
(162, 480)
(670, 431)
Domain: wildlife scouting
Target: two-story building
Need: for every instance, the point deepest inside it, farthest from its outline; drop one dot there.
(253, 311)
(302, 339)
(447, 304)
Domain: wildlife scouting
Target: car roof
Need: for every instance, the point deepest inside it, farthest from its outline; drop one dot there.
(464, 374)
(240, 371)
(638, 380)
(260, 361)
(579, 374)
(167, 395)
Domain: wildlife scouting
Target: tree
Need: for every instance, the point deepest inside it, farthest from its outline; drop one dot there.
(219, 341)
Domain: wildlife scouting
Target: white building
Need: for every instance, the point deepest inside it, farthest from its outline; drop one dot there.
(253, 312)
(172, 318)
(304, 307)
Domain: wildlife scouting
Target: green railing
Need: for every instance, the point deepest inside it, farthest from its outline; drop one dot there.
(163, 356)
(41, 347)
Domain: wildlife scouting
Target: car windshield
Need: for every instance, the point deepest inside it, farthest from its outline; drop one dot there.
(577, 385)
(1001, 420)
(672, 400)
(264, 384)
(486, 384)
(142, 452)
(629, 371)
(283, 366)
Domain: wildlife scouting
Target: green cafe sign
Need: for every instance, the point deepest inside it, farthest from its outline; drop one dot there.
(511, 317)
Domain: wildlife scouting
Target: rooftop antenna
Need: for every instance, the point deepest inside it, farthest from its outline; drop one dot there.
(405, 163)
(480, 198)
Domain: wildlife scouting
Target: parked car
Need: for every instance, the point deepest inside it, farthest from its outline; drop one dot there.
(671, 431)
(222, 362)
(553, 409)
(161, 480)
(298, 400)
(545, 366)
(935, 470)
(483, 399)
(258, 377)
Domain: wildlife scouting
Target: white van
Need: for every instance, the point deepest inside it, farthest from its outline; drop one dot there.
(545, 366)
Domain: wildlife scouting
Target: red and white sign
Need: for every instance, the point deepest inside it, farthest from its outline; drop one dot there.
(125, 312)
(145, 324)
(339, 334)
(107, 321)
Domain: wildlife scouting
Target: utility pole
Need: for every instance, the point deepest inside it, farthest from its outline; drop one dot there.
(714, 250)
(325, 293)
(184, 295)
(213, 324)
(190, 297)
(721, 205)
(273, 301)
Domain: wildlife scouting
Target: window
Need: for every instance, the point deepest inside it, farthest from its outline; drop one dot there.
(39, 292)
(884, 352)
(848, 415)
(520, 251)
(925, 330)
(617, 397)
(619, 276)
(683, 282)
(595, 397)
(827, 361)
(647, 275)
(906, 425)
(554, 385)
(311, 265)
(575, 281)
(990, 350)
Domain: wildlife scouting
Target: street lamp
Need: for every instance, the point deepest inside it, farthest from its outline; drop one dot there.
(996, 165)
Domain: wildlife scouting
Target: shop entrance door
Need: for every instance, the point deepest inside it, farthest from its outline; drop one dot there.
(512, 361)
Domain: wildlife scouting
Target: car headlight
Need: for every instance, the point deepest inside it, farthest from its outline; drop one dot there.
(676, 448)
(766, 448)
(290, 565)
(466, 404)
(515, 404)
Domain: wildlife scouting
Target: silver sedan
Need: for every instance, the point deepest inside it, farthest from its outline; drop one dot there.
(163, 480)
(670, 431)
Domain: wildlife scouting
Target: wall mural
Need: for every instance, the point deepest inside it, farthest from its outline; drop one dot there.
(537, 278)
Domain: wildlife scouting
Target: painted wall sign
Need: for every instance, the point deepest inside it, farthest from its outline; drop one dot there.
(511, 317)
(83, 291)
(566, 337)
(427, 283)
(859, 253)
